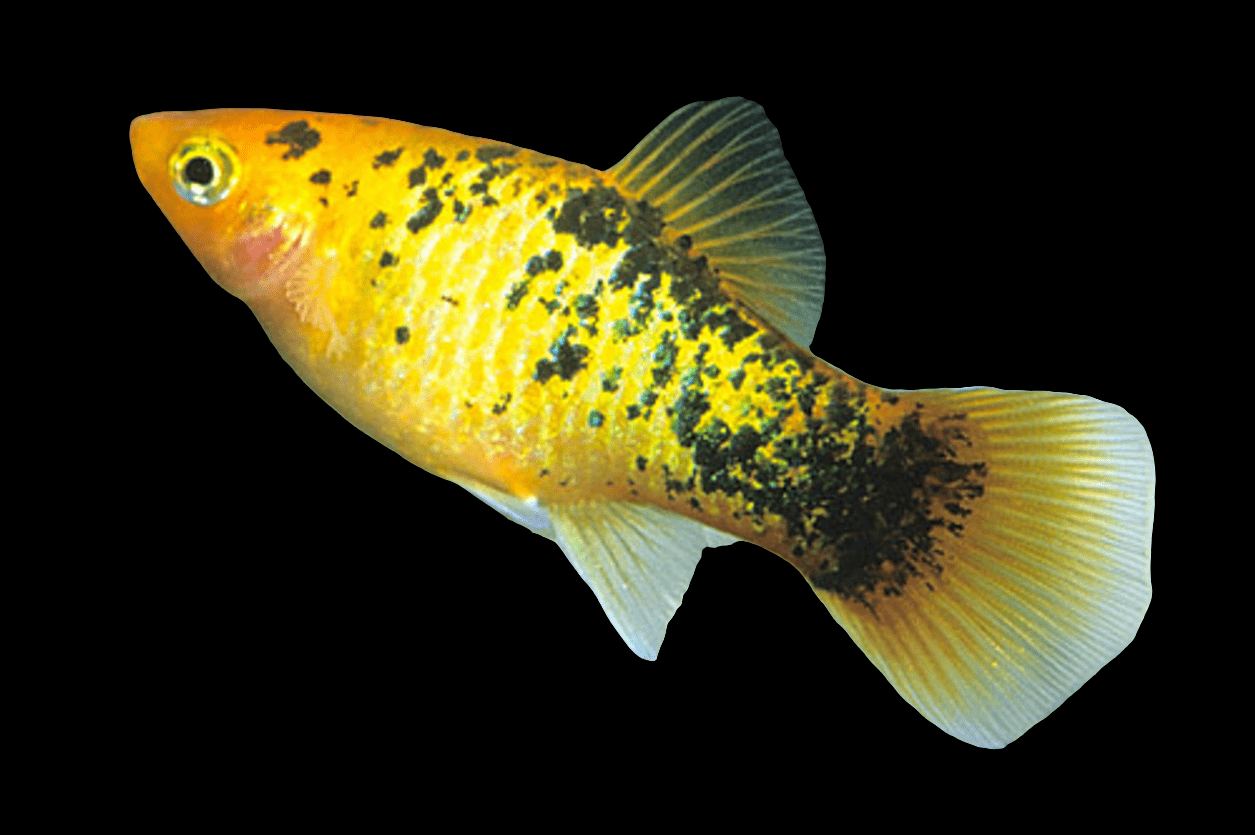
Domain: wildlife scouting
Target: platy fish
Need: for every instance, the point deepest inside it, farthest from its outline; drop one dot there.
(616, 361)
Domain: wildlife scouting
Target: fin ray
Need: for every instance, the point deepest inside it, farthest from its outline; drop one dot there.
(526, 512)
(637, 559)
(718, 173)
(1048, 581)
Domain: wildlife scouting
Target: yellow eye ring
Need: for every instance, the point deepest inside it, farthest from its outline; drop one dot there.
(204, 169)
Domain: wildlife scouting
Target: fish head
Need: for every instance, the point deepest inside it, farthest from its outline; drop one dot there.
(223, 178)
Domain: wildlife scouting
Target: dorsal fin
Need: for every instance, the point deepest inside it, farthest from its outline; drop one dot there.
(718, 173)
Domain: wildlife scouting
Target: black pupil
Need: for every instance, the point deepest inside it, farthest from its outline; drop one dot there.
(198, 170)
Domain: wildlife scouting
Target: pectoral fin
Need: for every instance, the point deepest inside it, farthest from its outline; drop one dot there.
(527, 512)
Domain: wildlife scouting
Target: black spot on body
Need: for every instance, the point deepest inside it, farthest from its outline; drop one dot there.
(427, 212)
(386, 159)
(689, 408)
(664, 359)
(729, 325)
(645, 258)
(298, 136)
(403, 335)
(432, 160)
(778, 389)
(463, 156)
(610, 382)
(565, 359)
(805, 398)
(592, 217)
(622, 329)
(487, 153)
(517, 291)
(387, 259)
(378, 221)
(321, 177)
(418, 176)
(586, 306)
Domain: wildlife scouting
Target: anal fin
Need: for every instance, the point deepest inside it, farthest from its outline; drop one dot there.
(637, 559)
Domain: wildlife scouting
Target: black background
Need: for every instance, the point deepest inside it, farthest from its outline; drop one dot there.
(284, 571)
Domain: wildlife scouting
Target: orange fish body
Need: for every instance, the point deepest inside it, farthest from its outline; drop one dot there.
(451, 242)
(614, 360)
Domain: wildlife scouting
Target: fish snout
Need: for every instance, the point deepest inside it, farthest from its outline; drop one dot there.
(193, 167)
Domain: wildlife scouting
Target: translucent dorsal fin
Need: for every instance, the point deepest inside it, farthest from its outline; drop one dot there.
(718, 173)
(637, 559)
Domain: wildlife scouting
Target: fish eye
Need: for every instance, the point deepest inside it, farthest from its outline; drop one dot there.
(203, 170)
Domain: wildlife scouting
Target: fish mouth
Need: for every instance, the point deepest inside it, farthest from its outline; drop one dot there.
(146, 149)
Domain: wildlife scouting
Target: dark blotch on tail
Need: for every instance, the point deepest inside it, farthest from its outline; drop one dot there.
(880, 523)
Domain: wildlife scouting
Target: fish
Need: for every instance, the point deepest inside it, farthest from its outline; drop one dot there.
(617, 361)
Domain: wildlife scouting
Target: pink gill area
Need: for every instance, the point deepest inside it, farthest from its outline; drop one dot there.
(252, 253)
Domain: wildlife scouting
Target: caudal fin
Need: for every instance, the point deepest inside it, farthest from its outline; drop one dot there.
(1045, 581)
